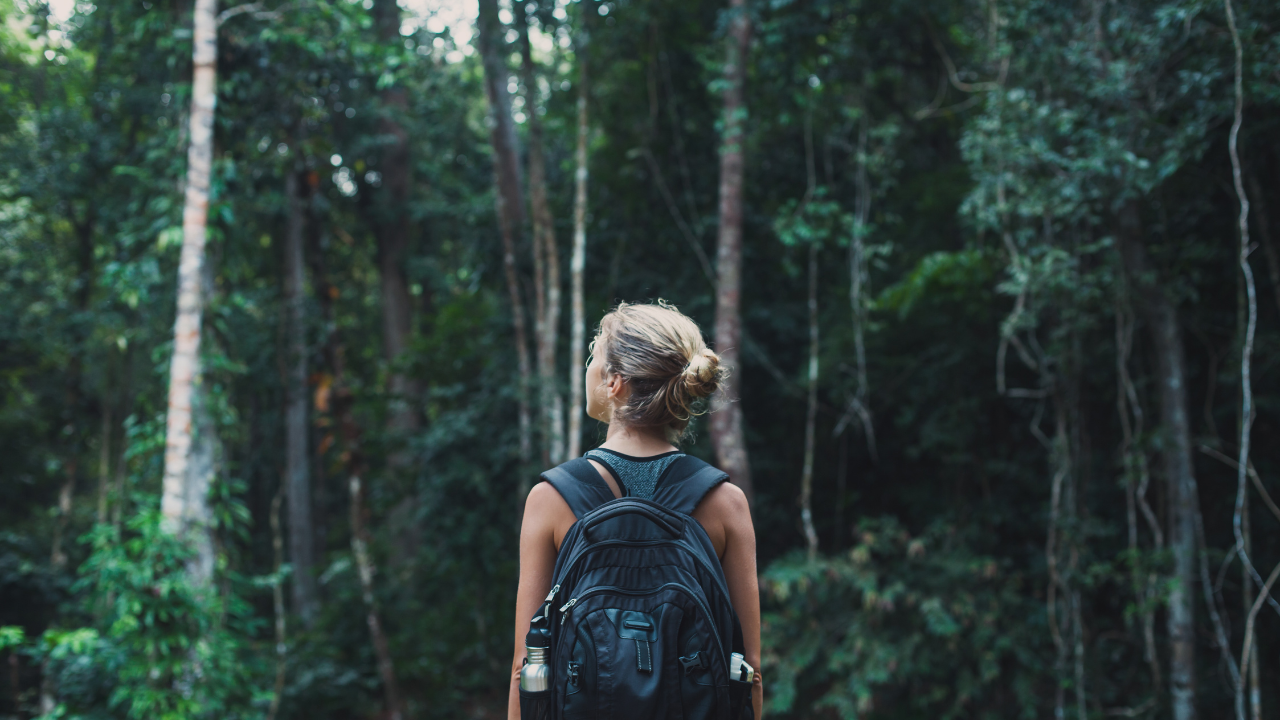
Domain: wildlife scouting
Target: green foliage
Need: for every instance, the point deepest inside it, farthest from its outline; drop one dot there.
(940, 273)
(813, 220)
(918, 626)
(173, 650)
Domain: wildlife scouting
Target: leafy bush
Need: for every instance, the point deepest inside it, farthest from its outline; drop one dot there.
(900, 626)
(161, 647)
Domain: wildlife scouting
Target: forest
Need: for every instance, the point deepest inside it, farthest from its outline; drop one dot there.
(295, 297)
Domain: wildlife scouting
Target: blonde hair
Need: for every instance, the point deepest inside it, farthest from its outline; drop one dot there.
(668, 367)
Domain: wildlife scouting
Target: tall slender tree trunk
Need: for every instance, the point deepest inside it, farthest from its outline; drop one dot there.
(104, 461)
(297, 454)
(726, 425)
(811, 414)
(1161, 319)
(546, 259)
(577, 334)
(392, 228)
(364, 565)
(1264, 234)
(57, 555)
(203, 466)
(182, 505)
(1240, 519)
(1252, 677)
(277, 602)
(120, 471)
(510, 207)
(74, 395)
(393, 231)
(859, 407)
(339, 401)
(1137, 478)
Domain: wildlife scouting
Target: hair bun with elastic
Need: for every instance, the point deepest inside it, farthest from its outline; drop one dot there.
(702, 375)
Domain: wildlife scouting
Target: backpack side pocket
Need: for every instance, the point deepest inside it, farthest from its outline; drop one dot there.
(536, 705)
(739, 701)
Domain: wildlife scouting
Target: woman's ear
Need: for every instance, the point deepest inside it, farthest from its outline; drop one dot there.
(614, 387)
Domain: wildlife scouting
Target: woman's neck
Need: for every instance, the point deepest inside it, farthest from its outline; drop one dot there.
(635, 441)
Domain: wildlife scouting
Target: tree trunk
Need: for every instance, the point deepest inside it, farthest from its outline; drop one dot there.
(1161, 319)
(337, 399)
(859, 407)
(506, 169)
(203, 465)
(392, 229)
(74, 395)
(811, 415)
(1252, 677)
(120, 471)
(104, 461)
(277, 602)
(726, 424)
(181, 505)
(297, 457)
(577, 334)
(1137, 478)
(546, 260)
(1264, 234)
(1240, 522)
(364, 565)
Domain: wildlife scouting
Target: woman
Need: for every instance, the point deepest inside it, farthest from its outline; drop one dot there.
(649, 372)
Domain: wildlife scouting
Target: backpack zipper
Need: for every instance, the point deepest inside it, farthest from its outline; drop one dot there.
(568, 607)
(546, 604)
(564, 611)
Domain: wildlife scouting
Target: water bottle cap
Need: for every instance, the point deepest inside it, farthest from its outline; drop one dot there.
(539, 636)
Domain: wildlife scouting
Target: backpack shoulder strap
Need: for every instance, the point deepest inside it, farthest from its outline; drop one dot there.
(580, 485)
(685, 483)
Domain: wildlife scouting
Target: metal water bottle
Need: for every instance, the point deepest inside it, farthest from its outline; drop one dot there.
(535, 676)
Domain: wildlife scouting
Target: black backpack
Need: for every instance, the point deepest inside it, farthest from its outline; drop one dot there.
(639, 613)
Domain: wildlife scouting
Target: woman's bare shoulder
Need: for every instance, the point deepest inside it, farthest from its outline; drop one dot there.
(544, 503)
(546, 514)
(726, 503)
(544, 496)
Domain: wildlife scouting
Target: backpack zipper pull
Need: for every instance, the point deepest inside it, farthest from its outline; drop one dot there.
(546, 604)
(564, 611)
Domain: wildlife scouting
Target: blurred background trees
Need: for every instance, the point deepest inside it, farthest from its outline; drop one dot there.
(979, 261)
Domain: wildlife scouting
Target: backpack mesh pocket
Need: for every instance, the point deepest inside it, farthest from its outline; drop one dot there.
(536, 705)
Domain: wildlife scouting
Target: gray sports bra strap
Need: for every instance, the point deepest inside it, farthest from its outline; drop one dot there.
(686, 483)
(580, 485)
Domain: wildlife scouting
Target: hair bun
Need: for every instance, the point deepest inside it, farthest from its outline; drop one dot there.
(701, 376)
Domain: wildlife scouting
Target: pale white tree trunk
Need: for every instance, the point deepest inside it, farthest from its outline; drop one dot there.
(1240, 521)
(577, 334)
(183, 502)
(811, 415)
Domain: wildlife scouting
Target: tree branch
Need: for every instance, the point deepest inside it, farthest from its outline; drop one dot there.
(255, 10)
(1253, 474)
(952, 75)
(676, 215)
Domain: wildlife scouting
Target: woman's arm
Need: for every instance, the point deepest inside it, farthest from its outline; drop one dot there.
(728, 506)
(542, 511)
